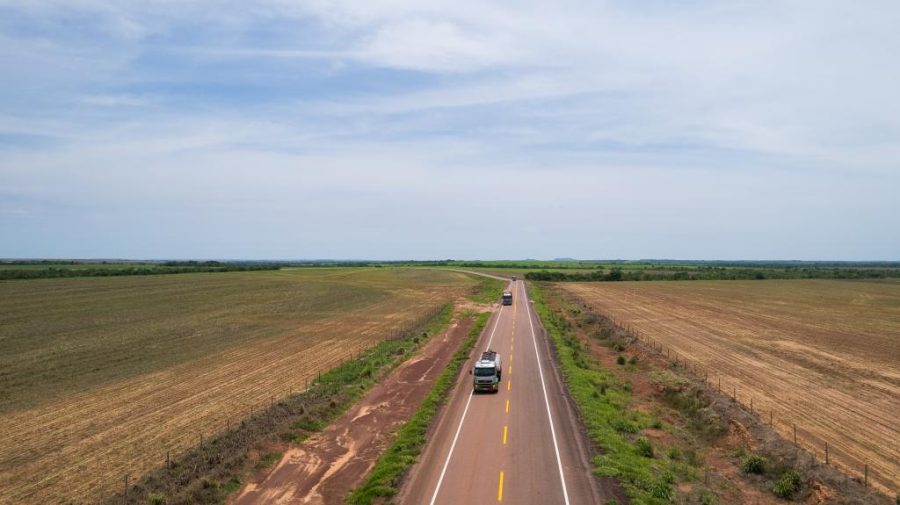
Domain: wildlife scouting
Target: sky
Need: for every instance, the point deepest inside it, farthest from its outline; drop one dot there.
(406, 129)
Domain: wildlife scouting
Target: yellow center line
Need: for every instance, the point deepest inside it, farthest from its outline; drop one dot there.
(504, 435)
(508, 384)
(507, 406)
(510, 368)
(500, 488)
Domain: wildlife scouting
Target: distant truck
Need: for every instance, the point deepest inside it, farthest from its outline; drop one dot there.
(507, 298)
(487, 372)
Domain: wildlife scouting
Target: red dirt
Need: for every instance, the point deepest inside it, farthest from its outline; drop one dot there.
(327, 466)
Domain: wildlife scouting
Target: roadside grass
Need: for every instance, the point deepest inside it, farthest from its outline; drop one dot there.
(208, 474)
(603, 400)
(487, 290)
(385, 476)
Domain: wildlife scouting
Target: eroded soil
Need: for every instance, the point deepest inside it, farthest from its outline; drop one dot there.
(326, 467)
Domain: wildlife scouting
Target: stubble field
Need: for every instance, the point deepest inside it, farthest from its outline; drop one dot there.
(821, 354)
(99, 377)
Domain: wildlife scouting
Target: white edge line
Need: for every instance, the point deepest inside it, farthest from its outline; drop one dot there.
(546, 401)
(463, 418)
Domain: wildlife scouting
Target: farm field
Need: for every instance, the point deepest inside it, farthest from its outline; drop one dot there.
(101, 376)
(821, 354)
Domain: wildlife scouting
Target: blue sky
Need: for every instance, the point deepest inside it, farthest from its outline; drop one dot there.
(406, 129)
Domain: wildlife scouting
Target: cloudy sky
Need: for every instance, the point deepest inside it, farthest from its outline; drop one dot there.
(410, 129)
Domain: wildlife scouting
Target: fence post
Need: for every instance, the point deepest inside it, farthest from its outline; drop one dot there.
(826, 453)
(771, 415)
(866, 475)
(795, 434)
(167, 460)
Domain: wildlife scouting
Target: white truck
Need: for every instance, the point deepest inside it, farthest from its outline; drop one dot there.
(487, 372)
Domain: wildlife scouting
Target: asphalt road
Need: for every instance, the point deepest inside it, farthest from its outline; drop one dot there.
(521, 445)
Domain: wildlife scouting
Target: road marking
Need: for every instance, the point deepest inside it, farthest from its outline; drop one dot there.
(500, 488)
(508, 384)
(504, 435)
(510, 368)
(546, 402)
(463, 418)
(507, 406)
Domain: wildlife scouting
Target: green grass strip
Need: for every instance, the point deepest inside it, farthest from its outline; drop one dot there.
(488, 290)
(604, 404)
(390, 468)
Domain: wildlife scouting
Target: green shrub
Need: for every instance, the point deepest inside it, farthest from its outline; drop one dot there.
(788, 485)
(620, 360)
(674, 453)
(644, 447)
(624, 425)
(661, 490)
(754, 463)
(618, 347)
(633, 360)
(157, 499)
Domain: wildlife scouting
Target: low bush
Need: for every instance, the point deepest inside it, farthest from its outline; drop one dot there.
(754, 463)
(644, 447)
(788, 485)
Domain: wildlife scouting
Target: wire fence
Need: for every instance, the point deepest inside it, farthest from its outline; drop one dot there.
(231, 425)
(783, 422)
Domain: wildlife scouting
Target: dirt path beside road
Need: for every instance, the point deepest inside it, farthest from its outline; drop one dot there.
(326, 467)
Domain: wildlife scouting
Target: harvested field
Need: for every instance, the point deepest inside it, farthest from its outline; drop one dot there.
(101, 376)
(821, 354)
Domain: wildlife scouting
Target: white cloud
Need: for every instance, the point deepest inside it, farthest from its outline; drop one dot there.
(670, 113)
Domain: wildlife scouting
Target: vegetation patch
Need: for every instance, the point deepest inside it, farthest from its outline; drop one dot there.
(612, 425)
(788, 485)
(55, 270)
(390, 468)
(487, 290)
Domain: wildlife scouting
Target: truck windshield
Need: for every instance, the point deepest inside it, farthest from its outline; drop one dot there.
(484, 372)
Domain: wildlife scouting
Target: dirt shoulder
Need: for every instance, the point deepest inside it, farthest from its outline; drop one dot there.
(328, 465)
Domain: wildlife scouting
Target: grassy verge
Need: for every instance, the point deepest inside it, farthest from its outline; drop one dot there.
(390, 468)
(603, 400)
(487, 290)
(209, 473)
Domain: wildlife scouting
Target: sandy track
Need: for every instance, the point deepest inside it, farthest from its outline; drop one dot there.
(325, 468)
(824, 355)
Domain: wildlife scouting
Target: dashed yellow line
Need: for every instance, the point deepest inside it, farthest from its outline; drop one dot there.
(507, 406)
(504, 435)
(500, 488)
(508, 385)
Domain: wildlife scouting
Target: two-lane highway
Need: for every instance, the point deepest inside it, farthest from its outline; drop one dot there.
(521, 445)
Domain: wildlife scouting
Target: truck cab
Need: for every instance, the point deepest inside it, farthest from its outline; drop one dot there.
(507, 298)
(487, 372)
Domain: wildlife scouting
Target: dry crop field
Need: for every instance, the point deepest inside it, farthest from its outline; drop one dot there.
(99, 377)
(821, 354)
